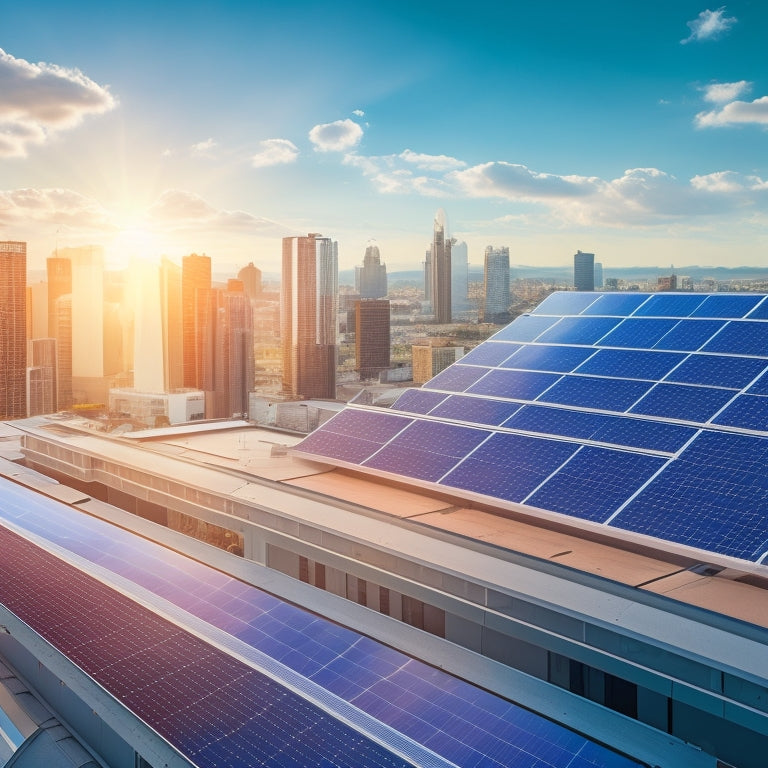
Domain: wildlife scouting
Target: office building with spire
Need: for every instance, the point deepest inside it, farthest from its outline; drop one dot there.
(440, 269)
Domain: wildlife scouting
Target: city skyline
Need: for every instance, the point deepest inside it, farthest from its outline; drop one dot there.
(634, 133)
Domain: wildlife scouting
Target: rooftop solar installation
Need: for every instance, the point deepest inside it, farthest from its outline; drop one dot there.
(275, 686)
(640, 413)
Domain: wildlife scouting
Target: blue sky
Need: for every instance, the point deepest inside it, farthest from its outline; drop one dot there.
(636, 131)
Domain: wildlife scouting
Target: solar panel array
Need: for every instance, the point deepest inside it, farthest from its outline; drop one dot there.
(640, 412)
(221, 712)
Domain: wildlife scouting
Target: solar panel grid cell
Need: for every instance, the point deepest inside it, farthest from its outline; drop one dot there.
(641, 333)
(689, 335)
(477, 410)
(682, 401)
(727, 306)
(545, 357)
(726, 371)
(616, 395)
(579, 330)
(741, 337)
(515, 385)
(631, 364)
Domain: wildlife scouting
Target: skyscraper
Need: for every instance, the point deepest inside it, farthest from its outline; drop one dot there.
(459, 277)
(584, 271)
(173, 336)
(372, 336)
(371, 278)
(228, 369)
(308, 302)
(496, 285)
(59, 283)
(13, 329)
(251, 278)
(42, 396)
(195, 287)
(441, 269)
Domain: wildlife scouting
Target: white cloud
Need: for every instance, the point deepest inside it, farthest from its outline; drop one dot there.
(736, 113)
(338, 136)
(709, 25)
(178, 209)
(358, 112)
(275, 152)
(53, 208)
(203, 147)
(431, 162)
(720, 93)
(37, 100)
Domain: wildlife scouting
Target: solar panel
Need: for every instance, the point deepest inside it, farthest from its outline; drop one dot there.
(220, 711)
(491, 353)
(418, 401)
(655, 381)
(477, 410)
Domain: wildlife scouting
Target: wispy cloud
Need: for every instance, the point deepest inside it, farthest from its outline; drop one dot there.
(275, 152)
(431, 162)
(720, 93)
(736, 113)
(338, 136)
(709, 25)
(203, 147)
(38, 100)
(358, 112)
(54, 209)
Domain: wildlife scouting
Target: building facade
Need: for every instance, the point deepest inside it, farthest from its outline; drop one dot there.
(459, 278)
(496, 284)
(13, 329)
(584, 271)
(372, 336)
(42, 394)
(308, 306)
(195, 288)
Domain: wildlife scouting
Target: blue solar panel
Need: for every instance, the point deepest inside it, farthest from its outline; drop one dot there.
(566, 303)
(592, 392)
(427, 450)
(760, 387)
(670, 305)
(684, 402)
(379, 426)
(419, 701)
(418, 400)
(456, 378)
(741, 337)
(631, 363)
(509, 466)
(548, 420)
(543, 357)
(524, 328)
(491, 353)
(747, 412)
(727, 305)
(579, 330)
(689, 335)
(332, 445)
(641, 333)
(595, 482)
(760, 312)
(713, 496)
(477, 410)
(520, 385)
(718, 370)
(616, 304)
(645, 434)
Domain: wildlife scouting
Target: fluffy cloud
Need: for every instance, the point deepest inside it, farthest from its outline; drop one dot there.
(736, 113)
(37, 100)
(203, 147)
(338, 136)
(709, 25)
(56, 209)
(180, 210)
(431, 162)
(275, 152)
(720, 93)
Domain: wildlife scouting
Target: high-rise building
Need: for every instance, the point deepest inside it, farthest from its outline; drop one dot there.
(441, 269)
(13, 329)
(371, 277)
(251, 279)
(584, 271)
(459, 278)
(496, 285)
(148, 356)
(372, 336)
(63, 335)
(87, 311)
(195, 287)
(171, 315)
(42, 395)
(309, 297)
(228, 368)
(59, 283)
(598, 275)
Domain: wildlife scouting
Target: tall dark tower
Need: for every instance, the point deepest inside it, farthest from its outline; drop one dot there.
(441, 270)
(584, 271)
(308, 307)
(13, 330)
